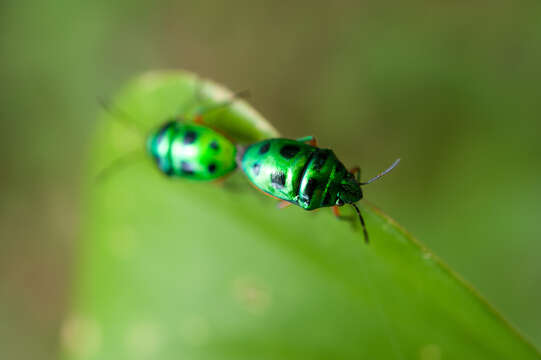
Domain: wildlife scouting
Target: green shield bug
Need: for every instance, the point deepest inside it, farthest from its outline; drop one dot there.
(189, 150)
(300, 173)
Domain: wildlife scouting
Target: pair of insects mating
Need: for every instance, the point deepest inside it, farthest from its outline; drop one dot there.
(294, 171)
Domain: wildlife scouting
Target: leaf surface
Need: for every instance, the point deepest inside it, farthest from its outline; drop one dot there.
(172, 269)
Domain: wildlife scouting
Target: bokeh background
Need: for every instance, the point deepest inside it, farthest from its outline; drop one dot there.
(451, 87)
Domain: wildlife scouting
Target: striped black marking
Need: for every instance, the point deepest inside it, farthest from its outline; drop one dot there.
(320, 159)
(164, 166)
(169, 157)
(303, 171)
(327, 199)
(309, 190)
(163, 131)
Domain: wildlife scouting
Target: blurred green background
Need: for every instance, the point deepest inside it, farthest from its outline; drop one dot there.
(451, 87)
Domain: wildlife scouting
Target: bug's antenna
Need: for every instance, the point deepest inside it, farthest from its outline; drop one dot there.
(117, 164)
(381, 173)
(122, 117)
(365, 233)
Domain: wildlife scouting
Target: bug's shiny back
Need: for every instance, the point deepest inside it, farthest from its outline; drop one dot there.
(299, 173)
(191, 151)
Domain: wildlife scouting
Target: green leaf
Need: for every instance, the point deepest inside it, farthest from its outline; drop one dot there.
(171, 269)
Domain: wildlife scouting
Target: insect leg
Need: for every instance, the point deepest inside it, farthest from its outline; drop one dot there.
(230, 186)
(365, 232)
(221, 180)
(336, 211)
(199, 117)
(223, 105)
(310, 140)
(195, 99)
(119, 163)
(283, 204)
(357, 172)
(122, 117)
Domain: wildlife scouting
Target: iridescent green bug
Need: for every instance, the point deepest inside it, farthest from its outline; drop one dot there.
(189, 150)
(192, 151)
(300, 173)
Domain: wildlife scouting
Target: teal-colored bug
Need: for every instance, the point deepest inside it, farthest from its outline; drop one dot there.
(299, 172)
(192, 151)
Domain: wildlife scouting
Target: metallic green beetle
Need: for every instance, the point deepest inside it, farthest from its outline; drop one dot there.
(192, 151)
(303, 174)
(182, 149)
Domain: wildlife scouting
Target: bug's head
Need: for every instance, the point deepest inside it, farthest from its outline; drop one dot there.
(349, 191)
(158, 144)
(152, 145)
(158, 141)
